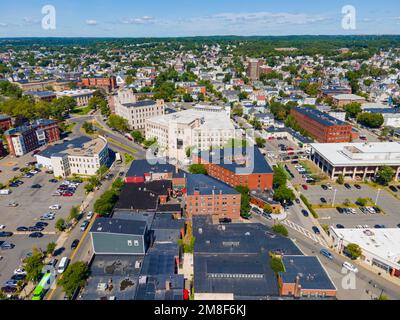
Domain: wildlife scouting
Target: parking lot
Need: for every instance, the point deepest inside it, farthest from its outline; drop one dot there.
(389, 204)
(32, 204)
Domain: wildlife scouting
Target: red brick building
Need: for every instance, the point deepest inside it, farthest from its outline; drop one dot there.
(108, 84)
(305, 276)
(207, 196)
(237, 169)
(5, 122)
(321, 126)
(24, 139)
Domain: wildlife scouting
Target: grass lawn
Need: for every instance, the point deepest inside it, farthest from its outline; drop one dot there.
(82, 111)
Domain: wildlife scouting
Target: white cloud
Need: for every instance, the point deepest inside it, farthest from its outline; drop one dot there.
(3, 24)
(91, 22)
(139, 20)
(30, 21)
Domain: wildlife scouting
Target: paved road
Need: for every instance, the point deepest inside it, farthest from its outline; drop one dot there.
(338, 276)
(83, 251)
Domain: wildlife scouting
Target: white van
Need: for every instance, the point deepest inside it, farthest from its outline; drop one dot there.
(5, 191)
(63, 265)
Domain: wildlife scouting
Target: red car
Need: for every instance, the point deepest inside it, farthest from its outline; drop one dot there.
(67, 194)
(305, 187)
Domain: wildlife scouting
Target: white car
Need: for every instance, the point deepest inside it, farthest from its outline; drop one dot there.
(2, 227)
(350, 267)
(20, 271)
(89, 215)
(55, 207)
(329, 186)
(371, 210)
(353, 211)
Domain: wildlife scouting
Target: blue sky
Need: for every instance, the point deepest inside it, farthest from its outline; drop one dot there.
(159, 18)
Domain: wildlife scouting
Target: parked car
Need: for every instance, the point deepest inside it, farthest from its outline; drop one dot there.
(305, 187)
(305, 213)
(357, 186)
(18, 277)
(36, 235)
(7, 246)
(84, 225)
(41, 224)
(340, 210)
(74, 244)
(323, 200)
(8, 289)
(5, 234)
(55, 207)
(328, 185)
(53, 180)
(90, 215)
(36, 186)
(340, 226)
(326, 254)
(22, 229)
(349, 267)
(13, 204)
(393, 188)
(20, 271)
(316, 230)
(347, 186)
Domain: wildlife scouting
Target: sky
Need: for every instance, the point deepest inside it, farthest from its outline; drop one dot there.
(175, 18)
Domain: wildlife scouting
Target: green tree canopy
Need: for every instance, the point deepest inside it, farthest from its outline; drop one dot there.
(197, 169)
(74, 277)
(385, 175)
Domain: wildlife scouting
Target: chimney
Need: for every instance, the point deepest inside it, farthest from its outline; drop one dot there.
(297, 287)
(168, 285)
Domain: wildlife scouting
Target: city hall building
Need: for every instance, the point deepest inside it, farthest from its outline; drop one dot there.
(356, 160)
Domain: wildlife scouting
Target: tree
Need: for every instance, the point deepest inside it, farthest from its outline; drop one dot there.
(96, 103)
(371, 120)
(280, 229)
(340, 179)
(187, 98)
(277, 265)
(74, 277)
(73, 214)
(34, 265)
(260, 142)
(352, 110)
(197, 169)
(245, 200)
(362, 201)
(50, 248)
(60, 224)
(385, 175)
(280, 178)
(284, 194)
(137, 136)
(118, 123)
(353, 250)
(268, 208)
(102, 171)
(88, 127)
(106, 202)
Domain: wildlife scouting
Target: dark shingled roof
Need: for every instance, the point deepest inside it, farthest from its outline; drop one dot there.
(110, 225)
(140, 167)
(222, 157)
(310, 271)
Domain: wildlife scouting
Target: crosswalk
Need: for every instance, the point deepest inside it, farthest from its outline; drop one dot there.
(305, 232)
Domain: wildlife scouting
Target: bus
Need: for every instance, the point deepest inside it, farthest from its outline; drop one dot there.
(42, 287)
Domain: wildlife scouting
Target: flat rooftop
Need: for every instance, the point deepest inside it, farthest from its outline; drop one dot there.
(384, 243)
(207, 185)
(371, 153)
(80, 147)
(310, 271)
(210, 120)
(320, 117)
(118, 226)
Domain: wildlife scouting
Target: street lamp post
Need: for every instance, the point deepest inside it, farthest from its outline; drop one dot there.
(377, 196)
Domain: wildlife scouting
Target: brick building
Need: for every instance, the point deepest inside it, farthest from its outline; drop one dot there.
(305, 277)
(321, 126)
(208, 196)
(107, 83)
(26, 138)
(236, 168)
(5, 122)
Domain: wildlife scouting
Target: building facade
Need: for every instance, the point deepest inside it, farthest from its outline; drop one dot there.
(356, 160)
(82, 156)
(138, 112)
(81, 97)
(107, 83)
(207, 196)
(321, 126)
(24, 139)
